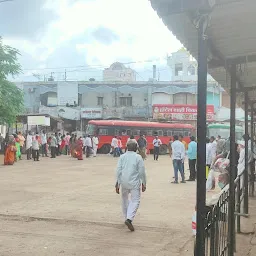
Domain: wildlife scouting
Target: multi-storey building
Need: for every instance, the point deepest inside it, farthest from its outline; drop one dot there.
(111, 100)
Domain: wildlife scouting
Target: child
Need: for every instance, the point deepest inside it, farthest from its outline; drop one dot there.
(35, 148)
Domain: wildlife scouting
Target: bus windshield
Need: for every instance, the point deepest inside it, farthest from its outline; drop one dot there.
(90, 129)
(224, 131)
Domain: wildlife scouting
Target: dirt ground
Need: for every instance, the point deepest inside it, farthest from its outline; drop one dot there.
(67, 207)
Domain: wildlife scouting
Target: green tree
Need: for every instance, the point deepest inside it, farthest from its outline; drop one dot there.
(11, 97)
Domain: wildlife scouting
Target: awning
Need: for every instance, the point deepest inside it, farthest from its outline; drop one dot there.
(231, 36)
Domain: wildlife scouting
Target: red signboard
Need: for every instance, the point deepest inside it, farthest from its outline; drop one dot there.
(180, 112)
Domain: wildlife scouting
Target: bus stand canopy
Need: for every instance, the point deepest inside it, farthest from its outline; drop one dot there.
(221, 35)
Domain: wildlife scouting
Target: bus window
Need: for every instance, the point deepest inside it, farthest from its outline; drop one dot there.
(124, 132)
(169, 133)
(165, 132)
(143, 132)
(103, 132)
(136, 132)
(186, 133)
(181, 133)
(128, 132)
(160, 133)
(117, 132)
(149, 132)
(176, 132)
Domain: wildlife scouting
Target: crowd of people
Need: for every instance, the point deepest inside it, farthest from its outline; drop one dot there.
(131, 176)
(142, 146)
(43, 144)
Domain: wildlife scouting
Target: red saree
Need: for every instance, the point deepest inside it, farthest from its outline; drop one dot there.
(79, 150)
(9, 156)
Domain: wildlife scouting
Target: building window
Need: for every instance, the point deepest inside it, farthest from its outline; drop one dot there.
(178, 69)
(180, 98)
(100, 101)
(191, 70)
(126, 101)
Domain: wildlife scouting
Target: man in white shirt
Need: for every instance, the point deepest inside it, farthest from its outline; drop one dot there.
(35, 148)
(95, 143)
(156, 143)
(209, 154)
(44, 142)
(178, 157)
(114, 145)
(214, 148)
(131, 177)
(88, 145)
(29, 145)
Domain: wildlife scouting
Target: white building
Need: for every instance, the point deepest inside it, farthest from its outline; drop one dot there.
(183, 67)
(118, 72)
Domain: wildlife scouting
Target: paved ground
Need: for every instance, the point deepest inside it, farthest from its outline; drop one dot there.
(67, 207)
(246, 242)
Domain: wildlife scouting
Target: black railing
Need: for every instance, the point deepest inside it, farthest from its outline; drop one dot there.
(217, 222)
(216, 227)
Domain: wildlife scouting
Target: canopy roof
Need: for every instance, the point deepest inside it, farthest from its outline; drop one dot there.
(223, 114)
(231, 36)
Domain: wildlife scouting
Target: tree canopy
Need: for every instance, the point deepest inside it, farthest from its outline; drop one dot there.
(11, 97)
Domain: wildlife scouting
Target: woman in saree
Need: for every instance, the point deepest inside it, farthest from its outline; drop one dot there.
(73, 147)
(79, 149)
(10, 153)
(18, 151)
(63, 145)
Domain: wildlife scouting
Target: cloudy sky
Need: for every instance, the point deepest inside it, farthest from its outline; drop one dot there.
(85, 36)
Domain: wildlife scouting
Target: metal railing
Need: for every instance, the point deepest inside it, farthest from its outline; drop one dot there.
(218, 239)
(216, 227)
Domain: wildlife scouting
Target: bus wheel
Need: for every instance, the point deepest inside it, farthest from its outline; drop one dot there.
(105, 149)
(163, 149)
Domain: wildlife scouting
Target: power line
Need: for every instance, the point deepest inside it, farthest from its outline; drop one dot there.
(93, 66)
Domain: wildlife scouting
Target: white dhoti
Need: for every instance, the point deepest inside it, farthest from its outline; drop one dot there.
(131, 206)
(95, 148)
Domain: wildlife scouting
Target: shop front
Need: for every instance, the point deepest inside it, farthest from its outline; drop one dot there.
(180, 113)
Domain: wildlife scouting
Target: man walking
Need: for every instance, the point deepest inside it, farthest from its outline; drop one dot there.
(157, 143)
(181, 139)
(35, 148)
(220, 145)
(44, 142)
(192, 153)
(95, 143)
(114, 145)
(29, 145)
(88, 145)
(67, 139)
(53, 144)
(142, 146)
(178, 156)
(131, 177)
(214, 147)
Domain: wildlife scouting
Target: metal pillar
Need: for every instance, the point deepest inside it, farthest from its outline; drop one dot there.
(252, 167)
(201, 138)
(231, 202)
(246, 196)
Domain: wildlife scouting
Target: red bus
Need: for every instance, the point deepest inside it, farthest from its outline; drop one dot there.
(107, 129)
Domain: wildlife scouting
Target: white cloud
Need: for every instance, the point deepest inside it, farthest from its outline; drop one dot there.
(138, 33)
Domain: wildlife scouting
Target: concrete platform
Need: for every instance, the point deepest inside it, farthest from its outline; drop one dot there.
(67, 207)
